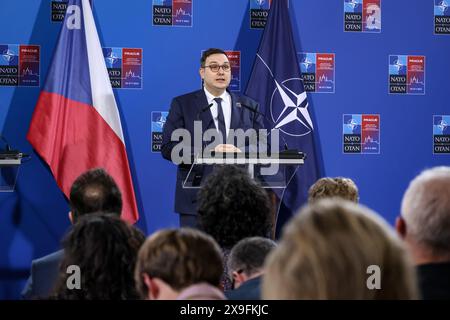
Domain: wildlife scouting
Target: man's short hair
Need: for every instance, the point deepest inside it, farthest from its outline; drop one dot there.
(95, 191)
(180, 257)
(339, 187)
(209, 52)
(249, 254)
(426, 209)
(233, 207)
(327, 250)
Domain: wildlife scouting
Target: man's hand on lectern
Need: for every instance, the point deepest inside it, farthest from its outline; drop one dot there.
(226, 148)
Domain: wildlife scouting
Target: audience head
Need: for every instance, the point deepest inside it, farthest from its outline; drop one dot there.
(425, 216)
(331, 250)
(105, 248)
(174, 259)
(339, 187)
(94, 191)
(246, 259)
(233, 207)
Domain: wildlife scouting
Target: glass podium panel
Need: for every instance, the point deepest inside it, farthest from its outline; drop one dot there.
(9, 170)
(268, 171)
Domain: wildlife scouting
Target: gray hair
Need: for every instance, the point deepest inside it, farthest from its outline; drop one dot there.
(426, 209)
(249, 255)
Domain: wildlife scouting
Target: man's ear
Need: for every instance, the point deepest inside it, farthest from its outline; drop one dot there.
(70, 217)
(400, 227)
(239, 278)
(152, 287)
(201, 71)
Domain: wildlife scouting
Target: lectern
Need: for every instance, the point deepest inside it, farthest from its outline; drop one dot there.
(272, 172)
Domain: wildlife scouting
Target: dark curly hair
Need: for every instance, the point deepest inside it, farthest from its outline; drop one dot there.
(105, 249)
(232, 207)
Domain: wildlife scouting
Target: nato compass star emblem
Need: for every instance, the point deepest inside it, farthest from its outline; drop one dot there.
(352, 124)
(443, 6)
(294, 119)
(306, 63)
(8, 55)
(112, 59)
(295, 111)
(442, 125)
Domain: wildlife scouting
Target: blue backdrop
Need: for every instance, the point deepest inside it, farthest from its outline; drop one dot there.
(34, 217)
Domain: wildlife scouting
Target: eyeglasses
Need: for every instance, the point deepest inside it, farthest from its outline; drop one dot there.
(216, 67)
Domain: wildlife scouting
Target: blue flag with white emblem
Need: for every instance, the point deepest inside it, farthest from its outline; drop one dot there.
(276, 84)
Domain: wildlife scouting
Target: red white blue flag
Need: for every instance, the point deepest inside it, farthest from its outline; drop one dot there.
(76, 124)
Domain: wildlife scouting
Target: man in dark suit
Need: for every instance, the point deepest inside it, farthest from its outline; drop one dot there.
(215, 110)
(246, 267)
(93, 191)
(424, 224)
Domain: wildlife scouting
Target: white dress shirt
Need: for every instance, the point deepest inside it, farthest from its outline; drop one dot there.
(226, 107)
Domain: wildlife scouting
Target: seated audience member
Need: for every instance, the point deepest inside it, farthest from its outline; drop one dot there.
(424, 224)
(93, 191)
(181, 264)
(335, 249)
(246, 267)
(105, 249)
(233, 207)
(339, 187)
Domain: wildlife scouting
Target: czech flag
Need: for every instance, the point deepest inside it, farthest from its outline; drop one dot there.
(76, 124)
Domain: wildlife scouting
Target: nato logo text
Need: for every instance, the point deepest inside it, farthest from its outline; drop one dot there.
(361, 133)
(259, 11)
(158, 121)
(441, 17)
(317, 71)
(362, 15)
(58, 10)
(441, 134)
(124, 67)
(172, 13)
(19, 65)
(406, 74)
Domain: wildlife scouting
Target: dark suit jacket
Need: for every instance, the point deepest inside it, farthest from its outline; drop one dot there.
(434, 281)
(43, 276)
(249, 290)
(186, 109)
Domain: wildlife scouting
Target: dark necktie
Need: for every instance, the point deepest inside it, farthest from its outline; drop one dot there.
(221, 120)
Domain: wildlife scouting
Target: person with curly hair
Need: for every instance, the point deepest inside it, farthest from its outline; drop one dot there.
(105, 249)
(327, 187)
(233, 207)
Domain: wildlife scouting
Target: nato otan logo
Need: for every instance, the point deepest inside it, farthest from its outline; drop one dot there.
(406, 74)
(441, 17)
(158, 122)
(259, 11)
(441, 134)
(362, 15)
(317, 71)
(19, 65)
(172, 13)
(58, 10)
(124, 67)
(361, 133)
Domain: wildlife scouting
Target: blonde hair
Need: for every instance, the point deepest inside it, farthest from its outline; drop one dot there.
(325, 252)
(327, 187)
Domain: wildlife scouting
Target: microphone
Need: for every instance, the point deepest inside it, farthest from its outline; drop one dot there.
(9, 153)
(255, 110)
(203, 110)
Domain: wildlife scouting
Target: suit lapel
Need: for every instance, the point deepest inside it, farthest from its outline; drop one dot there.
(205, 116)
(235, 112)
